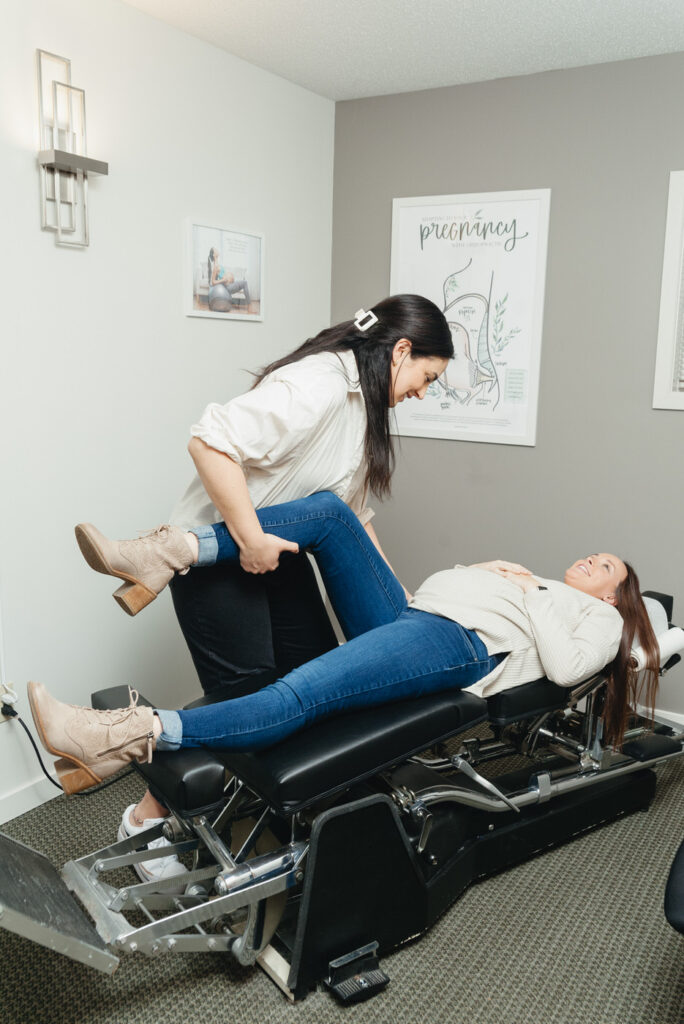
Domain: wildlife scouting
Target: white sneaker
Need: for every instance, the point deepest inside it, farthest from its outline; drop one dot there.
(151, 870)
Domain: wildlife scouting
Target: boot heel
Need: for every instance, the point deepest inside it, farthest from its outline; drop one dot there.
(133, 597)
(74, 778)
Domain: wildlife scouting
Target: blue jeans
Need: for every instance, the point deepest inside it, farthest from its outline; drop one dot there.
(407, 654)
(362, 588)
(417, 654)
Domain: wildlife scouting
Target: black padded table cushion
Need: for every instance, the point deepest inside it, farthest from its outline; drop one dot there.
(526, 701)
(338, 752)
(312, 764)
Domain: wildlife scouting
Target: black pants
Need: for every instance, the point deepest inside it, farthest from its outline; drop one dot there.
(244, 631)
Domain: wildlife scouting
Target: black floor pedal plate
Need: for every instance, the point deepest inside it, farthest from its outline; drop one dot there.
(35, 903)
(356, 976)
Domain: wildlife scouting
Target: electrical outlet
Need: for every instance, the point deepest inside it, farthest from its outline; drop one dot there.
(7, 696)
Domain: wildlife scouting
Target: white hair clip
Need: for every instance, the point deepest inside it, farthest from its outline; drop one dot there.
(364, 319)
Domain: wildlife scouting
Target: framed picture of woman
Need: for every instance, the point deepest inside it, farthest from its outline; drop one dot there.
(224, 273)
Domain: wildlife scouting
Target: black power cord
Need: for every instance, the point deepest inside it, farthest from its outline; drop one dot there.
(8, 711)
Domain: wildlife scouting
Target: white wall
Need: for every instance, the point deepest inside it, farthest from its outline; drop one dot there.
(101, 371)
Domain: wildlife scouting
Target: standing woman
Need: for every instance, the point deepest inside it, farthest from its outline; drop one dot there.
(316, 420)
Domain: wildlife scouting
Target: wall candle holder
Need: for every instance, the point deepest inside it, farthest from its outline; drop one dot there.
(63, 161)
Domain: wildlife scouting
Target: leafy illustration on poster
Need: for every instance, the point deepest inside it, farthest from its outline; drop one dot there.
(482, 259)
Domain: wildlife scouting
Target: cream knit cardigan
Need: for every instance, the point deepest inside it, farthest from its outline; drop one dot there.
(560, 633)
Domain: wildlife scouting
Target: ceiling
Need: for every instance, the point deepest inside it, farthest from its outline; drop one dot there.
(347, 49)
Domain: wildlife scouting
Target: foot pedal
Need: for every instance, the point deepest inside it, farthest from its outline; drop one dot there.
(35, 903)
(356, 976)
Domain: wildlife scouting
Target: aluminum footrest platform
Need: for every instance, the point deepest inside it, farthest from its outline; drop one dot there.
(36, 903)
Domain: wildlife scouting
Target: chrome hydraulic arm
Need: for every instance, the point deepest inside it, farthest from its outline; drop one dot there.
(543, 787)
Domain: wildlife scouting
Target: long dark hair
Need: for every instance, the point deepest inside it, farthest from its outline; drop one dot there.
(626, 686)
(400, 316)
(210, 263)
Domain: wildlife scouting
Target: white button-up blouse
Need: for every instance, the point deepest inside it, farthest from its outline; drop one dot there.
(301, 430)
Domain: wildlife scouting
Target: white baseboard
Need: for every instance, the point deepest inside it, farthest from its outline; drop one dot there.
(25, 798)
(672, 718)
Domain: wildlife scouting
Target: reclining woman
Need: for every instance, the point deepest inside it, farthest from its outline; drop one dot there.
(485, 627)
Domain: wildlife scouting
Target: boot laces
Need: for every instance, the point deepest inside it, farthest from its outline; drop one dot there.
(159, 531)
(113, 716)
(133, 696)
(118, 716)
(164, 534)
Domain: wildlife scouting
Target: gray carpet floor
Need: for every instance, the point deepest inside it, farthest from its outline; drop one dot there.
(575, 935)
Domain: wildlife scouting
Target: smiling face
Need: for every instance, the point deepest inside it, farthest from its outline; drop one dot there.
(598, 575)
(409, 377)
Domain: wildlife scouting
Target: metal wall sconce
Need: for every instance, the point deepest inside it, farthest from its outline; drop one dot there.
(64, 165)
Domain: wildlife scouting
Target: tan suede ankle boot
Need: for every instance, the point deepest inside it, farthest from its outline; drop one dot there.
(147, 564)
(91, 745)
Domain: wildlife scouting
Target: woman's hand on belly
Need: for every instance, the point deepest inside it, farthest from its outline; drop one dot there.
(525, 580)
(502, 568)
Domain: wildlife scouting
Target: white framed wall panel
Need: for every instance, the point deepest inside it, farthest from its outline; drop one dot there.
(668, 389)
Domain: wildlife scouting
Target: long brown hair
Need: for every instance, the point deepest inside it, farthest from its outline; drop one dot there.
(401, 316)
(626, 686)
(210, 263)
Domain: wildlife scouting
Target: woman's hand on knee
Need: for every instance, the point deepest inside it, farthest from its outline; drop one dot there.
(264, 555)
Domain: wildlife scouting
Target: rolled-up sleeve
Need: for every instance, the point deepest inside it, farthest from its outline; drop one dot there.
(265, 426)
(570, 656)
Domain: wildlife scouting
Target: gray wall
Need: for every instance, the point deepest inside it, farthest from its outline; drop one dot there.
(606, 473)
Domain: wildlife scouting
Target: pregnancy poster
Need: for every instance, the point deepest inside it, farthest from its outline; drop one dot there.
(482, 259)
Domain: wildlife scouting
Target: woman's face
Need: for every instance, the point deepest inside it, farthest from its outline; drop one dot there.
(598, 575)
(409, 377)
